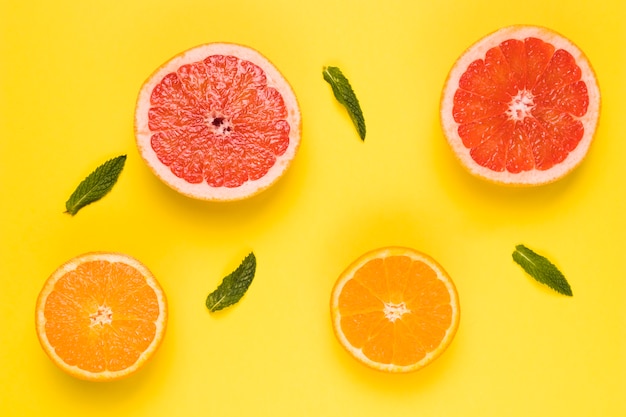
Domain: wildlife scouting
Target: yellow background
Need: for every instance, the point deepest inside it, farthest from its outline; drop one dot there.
(69, 75)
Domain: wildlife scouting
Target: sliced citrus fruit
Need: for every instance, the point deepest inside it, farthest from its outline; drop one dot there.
(218, 122)
(101, 316)
(395, 309)
(521, 106)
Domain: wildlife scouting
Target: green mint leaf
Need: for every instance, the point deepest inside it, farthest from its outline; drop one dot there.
(96, 185)
(345, 95)
(233, 286)
(541, 269)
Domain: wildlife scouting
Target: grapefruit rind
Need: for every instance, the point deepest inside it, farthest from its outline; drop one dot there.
(72, 264)
(384, 252)
(203, 191)
(478, 51)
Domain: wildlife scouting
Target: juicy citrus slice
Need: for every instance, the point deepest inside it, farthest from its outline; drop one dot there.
(101, 316)
(521, 106)
(395, 309)
(217, 122)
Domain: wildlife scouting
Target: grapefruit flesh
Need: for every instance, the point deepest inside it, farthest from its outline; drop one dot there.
(218, 122)
(521, 106)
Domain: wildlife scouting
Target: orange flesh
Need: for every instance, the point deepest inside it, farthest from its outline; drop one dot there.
(101, 316)
(518, 108)
(396, 310)
(218, 121)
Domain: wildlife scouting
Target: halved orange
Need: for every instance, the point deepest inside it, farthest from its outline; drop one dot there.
(395, 309)
(101, 316)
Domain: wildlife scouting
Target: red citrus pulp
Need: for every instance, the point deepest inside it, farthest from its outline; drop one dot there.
(521, 106)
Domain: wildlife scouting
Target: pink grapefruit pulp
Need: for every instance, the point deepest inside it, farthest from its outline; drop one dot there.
(218, 122)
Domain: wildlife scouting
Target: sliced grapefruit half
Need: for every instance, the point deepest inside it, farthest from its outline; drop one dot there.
(521, 106)
(218, 122)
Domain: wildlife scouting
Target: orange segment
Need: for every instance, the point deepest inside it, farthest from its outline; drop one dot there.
(101, 316)
(395, 309)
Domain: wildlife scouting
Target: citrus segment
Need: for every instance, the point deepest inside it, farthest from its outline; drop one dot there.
(395, 309)
(218, 122)
(101, 316)
(521, 106)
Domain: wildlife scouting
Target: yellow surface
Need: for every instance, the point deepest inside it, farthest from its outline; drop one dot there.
(69, 75)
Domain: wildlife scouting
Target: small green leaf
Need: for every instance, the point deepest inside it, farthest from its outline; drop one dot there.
(233, 286)
(541, 269)
(345, 95)
(96, 185)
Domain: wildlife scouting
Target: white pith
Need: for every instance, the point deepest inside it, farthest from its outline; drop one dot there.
(520, 107)
(394, 311)
(101, 317)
